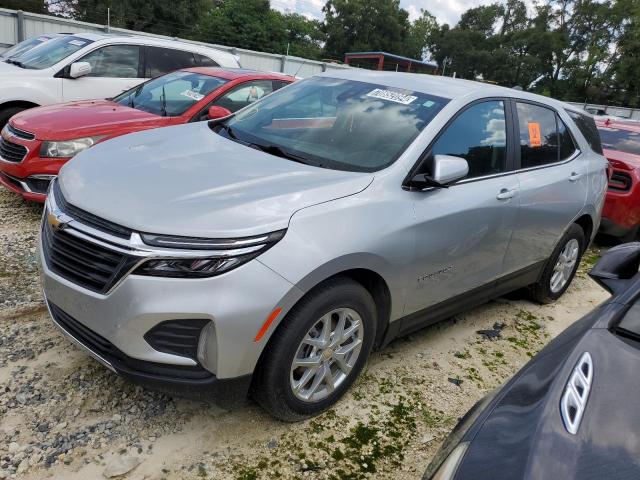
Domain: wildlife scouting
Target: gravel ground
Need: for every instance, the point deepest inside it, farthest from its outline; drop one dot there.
(62, 415)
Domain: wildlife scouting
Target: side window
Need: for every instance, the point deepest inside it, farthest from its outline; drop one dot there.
(205, 61)
(478, 135)
(587, 127)
(115, 61)
(278, 84)
(538, 135)
(244, 95)
(567, 147)
(165, 60)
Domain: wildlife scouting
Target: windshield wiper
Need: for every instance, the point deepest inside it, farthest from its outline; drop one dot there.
(280, 152)
(163, 102)
(229, 131)
(15, 62)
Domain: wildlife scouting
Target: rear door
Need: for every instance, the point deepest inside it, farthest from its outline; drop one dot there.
(114, 69)
(553, 178)
(463, 232)
(160, 60)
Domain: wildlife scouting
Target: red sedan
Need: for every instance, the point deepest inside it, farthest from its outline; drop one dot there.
(37, 142)
(621, 145)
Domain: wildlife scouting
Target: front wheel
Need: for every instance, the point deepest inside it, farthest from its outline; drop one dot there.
(317, 352)
(7, 113)
(561, 266)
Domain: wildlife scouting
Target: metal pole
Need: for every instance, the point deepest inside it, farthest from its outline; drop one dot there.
(108, 20)
(20, 20)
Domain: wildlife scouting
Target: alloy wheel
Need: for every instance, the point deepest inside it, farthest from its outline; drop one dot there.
(565, 265)
(326, 355)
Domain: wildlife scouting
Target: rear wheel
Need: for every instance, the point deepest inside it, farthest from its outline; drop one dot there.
(317, 352)
(561, 266)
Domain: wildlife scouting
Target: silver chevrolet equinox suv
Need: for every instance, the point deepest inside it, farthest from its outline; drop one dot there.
(268, 252)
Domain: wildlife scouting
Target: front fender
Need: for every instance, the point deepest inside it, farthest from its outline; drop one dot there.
(41, 92)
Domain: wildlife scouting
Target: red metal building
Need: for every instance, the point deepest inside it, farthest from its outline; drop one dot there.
(389, 62)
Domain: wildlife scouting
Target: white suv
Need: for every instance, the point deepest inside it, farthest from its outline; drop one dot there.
(93, 65)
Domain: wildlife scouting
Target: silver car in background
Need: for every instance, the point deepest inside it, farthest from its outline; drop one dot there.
(270, 251)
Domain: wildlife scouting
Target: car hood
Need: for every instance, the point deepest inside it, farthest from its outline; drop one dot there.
(522, 434)
(9, 71)
(65, 121)
(187, 180)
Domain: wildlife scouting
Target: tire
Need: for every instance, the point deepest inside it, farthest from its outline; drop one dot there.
(273, 386)
(7, 113)
(546, 290)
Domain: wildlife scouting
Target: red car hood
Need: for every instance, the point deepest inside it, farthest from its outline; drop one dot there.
(66, 121)
(622, 160)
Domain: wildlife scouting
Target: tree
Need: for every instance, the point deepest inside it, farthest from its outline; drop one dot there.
(422, 34)
(365, 25)
(35, 6)
(175, 18)
(254, 25)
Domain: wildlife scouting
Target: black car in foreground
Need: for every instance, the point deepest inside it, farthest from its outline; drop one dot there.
(573, 411)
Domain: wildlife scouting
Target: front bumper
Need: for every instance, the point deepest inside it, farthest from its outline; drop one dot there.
(186, 381)
(31, 176)
(609, 227)
(113, 325)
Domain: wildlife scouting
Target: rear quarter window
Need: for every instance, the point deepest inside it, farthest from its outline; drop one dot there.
(587, 127)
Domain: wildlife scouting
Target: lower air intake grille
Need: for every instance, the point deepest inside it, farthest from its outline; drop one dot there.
(178, 337)
(119, 360)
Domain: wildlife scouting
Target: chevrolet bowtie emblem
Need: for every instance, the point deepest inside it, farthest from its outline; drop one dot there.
(57, 219)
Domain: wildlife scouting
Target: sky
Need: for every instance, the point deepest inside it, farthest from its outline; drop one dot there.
(446, 11)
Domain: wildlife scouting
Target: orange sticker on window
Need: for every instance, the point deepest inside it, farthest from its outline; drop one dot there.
(535, 139)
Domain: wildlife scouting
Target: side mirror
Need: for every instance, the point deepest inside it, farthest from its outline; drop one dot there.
(446, 170)
(216, 112)
(79, 69)
(617, 266)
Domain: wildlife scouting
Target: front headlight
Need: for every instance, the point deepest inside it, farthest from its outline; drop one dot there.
(213, 256)
(67, 148)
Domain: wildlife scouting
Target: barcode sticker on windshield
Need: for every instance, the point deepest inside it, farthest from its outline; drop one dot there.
(391, 96)
(77, 43)
(193, 95)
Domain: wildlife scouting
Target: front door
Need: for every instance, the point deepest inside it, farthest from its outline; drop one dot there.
(114, 69)
(463, 232)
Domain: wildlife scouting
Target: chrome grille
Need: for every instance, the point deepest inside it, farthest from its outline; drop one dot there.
(576, 393)
(82, 262)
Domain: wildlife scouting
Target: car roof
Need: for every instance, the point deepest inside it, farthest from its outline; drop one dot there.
(159, 42)
(444, 87)
(234, 73)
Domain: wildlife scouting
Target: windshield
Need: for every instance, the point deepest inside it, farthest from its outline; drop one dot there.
(620, 140)
(22, 47)
(51, 52)
(333, 123)
(170, 95)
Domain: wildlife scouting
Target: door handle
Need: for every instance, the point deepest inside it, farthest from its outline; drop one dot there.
(574, 176)
(505, 194)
